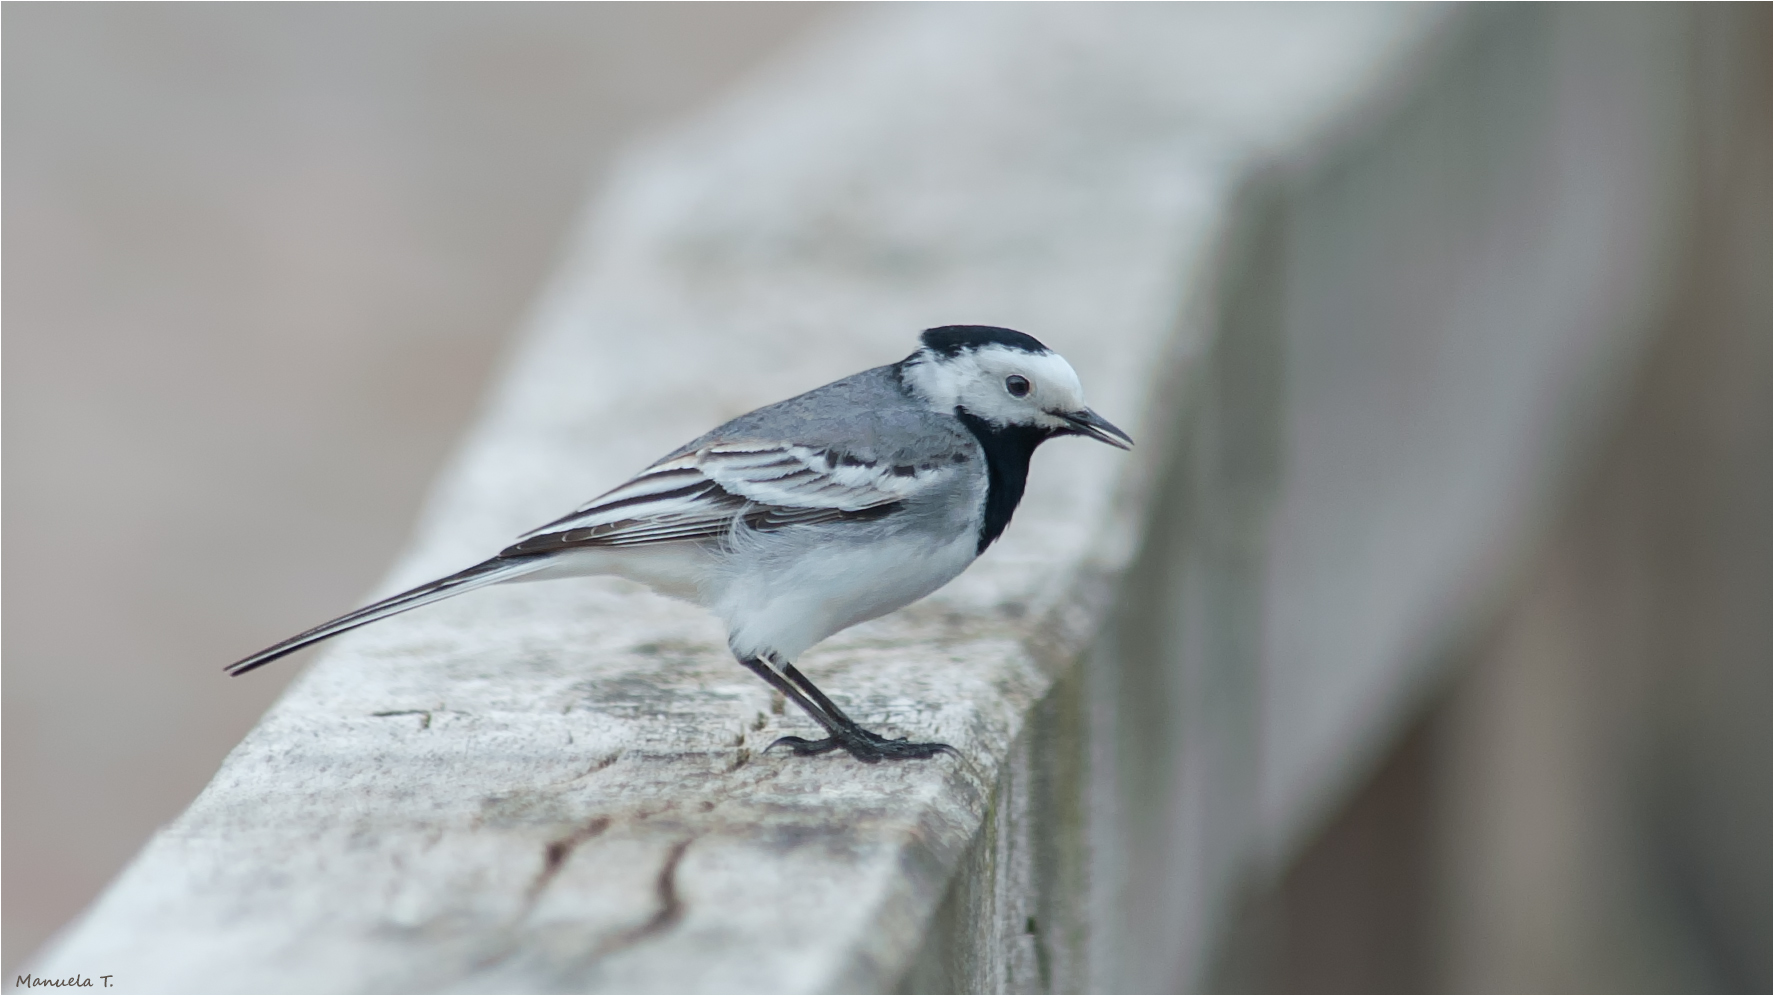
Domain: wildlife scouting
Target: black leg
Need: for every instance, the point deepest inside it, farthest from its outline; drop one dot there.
(844, 731)
(783, 686)
(806, 685)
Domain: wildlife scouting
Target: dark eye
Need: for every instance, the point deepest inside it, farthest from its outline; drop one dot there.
(1017, 385)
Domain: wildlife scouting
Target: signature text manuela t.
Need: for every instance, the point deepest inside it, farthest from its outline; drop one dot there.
(71, 982)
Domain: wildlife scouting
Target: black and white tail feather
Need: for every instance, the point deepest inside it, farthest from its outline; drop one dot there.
(488, 572)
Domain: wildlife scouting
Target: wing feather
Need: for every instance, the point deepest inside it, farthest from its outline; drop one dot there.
(705, 494)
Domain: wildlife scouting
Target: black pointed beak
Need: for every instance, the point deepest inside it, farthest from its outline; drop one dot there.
(1089, 423)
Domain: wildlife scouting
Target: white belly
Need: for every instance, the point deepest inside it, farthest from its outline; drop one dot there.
(785, 592)
(787, 602)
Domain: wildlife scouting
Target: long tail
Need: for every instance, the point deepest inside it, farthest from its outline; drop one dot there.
(479, 576)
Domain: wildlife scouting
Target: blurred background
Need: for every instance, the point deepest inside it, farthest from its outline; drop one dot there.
(1581, 796)
(264, 260)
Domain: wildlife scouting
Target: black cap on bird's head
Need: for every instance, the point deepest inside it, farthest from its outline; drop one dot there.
(953, 340)
(1007, 378)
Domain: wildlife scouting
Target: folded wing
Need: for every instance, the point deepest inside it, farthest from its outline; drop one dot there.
(705, 494)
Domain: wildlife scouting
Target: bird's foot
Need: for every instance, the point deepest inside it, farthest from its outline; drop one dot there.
(864, 746)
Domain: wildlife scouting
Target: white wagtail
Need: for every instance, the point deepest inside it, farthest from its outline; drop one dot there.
(813, 514)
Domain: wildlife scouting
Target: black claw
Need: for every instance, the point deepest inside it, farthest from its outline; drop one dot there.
(865, 746)
(802, 746)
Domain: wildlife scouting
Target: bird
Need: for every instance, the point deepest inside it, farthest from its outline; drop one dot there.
(805, 517)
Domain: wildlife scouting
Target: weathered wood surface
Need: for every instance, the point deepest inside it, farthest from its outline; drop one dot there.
(562, 786)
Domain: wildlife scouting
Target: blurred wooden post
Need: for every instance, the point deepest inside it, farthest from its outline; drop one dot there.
(1210, 211)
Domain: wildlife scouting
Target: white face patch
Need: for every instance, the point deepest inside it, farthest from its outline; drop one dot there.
(979, 380)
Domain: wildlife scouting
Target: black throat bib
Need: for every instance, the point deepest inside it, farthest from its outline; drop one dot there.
(1008, 449)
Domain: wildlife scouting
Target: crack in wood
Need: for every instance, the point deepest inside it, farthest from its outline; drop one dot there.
(424, 714)
(556, 854)
(671, 905)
